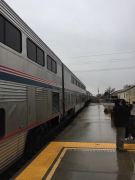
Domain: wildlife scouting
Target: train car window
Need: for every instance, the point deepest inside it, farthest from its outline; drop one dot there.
(40, 56)
(54, 68)
(49, 63)
(31, 50)
(72, 79)
(12, 37)
(2, 122)
(1, 29)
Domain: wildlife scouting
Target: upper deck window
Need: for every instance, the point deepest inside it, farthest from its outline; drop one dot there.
(35, 53)
(2, 122)
(31, 50)
(10, 35)
(51, 64)
(40, 56)
(1, 29)
(54, 67)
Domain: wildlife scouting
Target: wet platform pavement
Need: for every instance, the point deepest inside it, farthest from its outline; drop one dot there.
(91, 125)
(84, 150)
(95, 165)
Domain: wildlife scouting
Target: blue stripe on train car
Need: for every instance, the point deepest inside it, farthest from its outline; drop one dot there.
(14, 78)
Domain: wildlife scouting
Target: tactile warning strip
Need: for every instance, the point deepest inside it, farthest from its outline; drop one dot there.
(91, 150)
(42, 163)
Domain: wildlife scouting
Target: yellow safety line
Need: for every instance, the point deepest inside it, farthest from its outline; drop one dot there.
(40, 165)
(129, 146)
(56, 165)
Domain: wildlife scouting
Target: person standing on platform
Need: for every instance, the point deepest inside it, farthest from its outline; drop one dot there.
(128, 122)
(132, 114)
(120, 120)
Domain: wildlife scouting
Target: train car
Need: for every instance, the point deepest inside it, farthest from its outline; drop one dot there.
(74, 91)
(88, 96)
(36, 88)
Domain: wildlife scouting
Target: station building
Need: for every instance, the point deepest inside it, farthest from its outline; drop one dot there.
(128, 94)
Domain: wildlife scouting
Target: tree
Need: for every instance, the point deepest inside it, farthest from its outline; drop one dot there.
(108, 92)
(99, 95)
(127, 86)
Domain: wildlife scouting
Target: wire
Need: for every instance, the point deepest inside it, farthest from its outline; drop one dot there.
(106, 69)
(102, 61)
(106, 54)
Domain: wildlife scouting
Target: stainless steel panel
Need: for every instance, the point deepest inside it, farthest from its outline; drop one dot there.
(41, 104)
(11, 149)
(10, 92)
(13, 99)
(31, 104)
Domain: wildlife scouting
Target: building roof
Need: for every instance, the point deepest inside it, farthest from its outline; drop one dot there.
(123, 90)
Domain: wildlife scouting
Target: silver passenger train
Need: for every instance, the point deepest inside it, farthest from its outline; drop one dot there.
(36, 88)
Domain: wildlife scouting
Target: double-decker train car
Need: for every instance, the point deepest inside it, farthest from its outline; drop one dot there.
(36, 88)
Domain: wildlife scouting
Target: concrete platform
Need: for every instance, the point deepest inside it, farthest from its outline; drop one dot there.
(59, 155)
(85, 150)
(91, 125)
(96, 164)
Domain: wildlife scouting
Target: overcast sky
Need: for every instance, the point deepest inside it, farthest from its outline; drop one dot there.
(94, 38)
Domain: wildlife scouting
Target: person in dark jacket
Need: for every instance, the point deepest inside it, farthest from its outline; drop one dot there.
(128, 123)
(120, 120)
(132, 122)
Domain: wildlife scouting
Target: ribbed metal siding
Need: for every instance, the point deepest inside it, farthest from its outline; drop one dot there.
(11, 149)
(41, 104)
(12, 92)
(41, 94)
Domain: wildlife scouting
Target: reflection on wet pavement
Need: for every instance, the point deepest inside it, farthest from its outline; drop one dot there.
(95, 165)
(91, 125)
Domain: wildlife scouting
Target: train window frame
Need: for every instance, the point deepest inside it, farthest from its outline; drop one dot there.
(18, 50)
(43, 60)
(2, 32)
(36, 50)
(12, 36)
(3, 122)
(52, 65)
(49, 63)
(30, 41)
(55, 67)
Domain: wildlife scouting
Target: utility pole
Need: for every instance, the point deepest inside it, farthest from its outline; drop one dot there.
(98, 91)
(98, 94)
